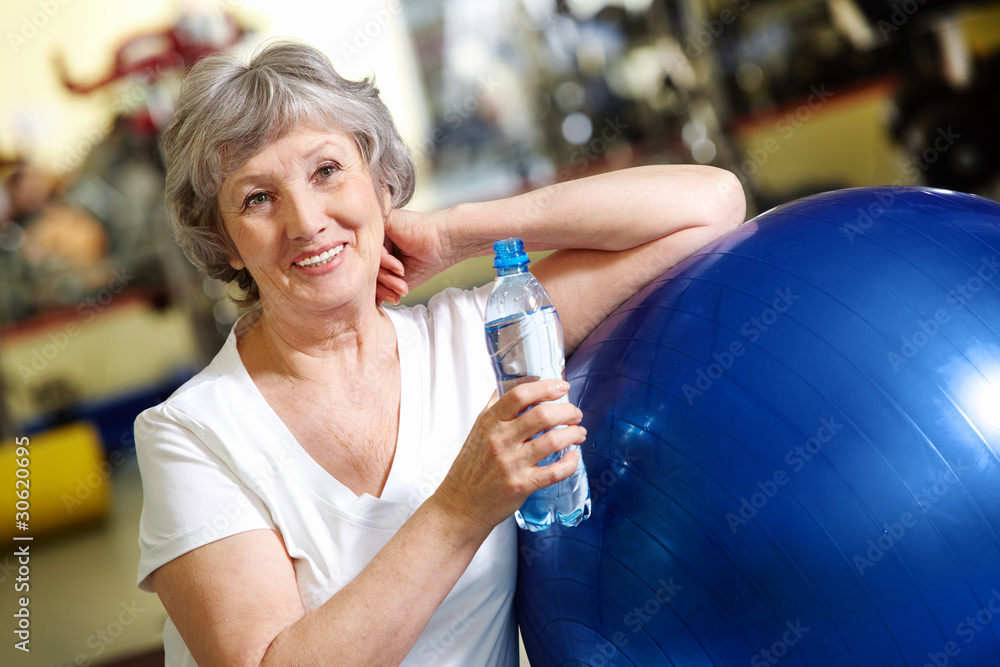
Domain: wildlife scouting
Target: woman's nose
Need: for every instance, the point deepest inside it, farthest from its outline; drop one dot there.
(304, 215)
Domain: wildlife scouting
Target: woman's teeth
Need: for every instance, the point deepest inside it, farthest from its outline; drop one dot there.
(322, 258)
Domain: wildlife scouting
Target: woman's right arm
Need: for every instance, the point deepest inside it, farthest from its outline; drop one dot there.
(236, 602)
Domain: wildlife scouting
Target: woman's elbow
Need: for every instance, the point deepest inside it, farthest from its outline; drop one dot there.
(726, 204)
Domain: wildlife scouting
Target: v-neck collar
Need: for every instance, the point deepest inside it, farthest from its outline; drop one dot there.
(326, 487)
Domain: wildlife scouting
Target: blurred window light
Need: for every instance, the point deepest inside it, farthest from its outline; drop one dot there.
(577, 128)
(587, 9)
(693, 131)
(675, 63)
(637, 6)
(703, 151)
(541, 12)
(640, 74)
(468, 58)
(569, 96)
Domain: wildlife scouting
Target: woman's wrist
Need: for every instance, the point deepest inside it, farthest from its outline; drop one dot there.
(465, 230)
(460, 523)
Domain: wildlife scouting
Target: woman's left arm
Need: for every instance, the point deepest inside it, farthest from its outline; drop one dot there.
(614, 233)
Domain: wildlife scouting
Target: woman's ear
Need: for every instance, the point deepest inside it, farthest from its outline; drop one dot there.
(236, 263)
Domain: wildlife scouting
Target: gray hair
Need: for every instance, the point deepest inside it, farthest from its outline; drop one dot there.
(228, 111)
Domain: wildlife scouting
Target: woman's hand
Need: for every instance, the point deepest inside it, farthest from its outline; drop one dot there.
(391, 285)
(412, 253)
(497, 468)
(418, 246)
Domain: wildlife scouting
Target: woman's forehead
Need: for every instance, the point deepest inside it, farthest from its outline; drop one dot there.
(302, 144)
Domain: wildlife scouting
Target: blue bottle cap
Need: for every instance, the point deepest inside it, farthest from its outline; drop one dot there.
(509, 252)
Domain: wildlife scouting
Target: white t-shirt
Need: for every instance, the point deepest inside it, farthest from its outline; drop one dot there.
(216, 460)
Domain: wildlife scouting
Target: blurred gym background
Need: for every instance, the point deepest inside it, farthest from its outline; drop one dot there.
(100, 315)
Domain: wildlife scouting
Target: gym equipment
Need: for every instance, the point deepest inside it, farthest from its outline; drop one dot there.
(792, 450)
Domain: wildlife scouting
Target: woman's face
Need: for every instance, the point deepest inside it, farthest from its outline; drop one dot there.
(307, 221)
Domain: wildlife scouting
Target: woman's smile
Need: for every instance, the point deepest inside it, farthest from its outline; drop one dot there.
(321, 258)
(307, 221)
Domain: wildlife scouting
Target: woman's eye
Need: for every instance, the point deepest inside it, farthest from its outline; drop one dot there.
(256, 199)
(326, 171)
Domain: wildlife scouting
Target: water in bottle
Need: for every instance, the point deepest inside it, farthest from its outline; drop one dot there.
(525, 342)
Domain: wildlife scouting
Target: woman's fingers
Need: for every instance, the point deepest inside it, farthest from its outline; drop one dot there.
(556, 472)
(543, 428)
(554, 440)
(523, 396)
(498, 466)
(392, 282)
(385, 295)
(546, 416)
(543, 415)
(390, 285)
(390, 262)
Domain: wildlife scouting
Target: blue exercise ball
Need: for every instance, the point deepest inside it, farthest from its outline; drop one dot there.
(793, 450)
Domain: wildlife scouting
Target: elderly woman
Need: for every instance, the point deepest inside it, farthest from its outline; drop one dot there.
(337, 486)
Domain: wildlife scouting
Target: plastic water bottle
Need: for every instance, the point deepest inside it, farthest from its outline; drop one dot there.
(525, 341)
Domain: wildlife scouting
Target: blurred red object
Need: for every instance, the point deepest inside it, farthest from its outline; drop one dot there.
(154, 54)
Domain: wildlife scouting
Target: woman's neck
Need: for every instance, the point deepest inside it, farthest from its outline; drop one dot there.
(309, 347)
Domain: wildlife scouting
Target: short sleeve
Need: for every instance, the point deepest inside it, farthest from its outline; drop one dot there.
(468, 304)
(480, 296)
(191, 497)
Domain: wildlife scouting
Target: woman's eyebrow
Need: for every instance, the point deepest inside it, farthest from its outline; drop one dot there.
(320, 147)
